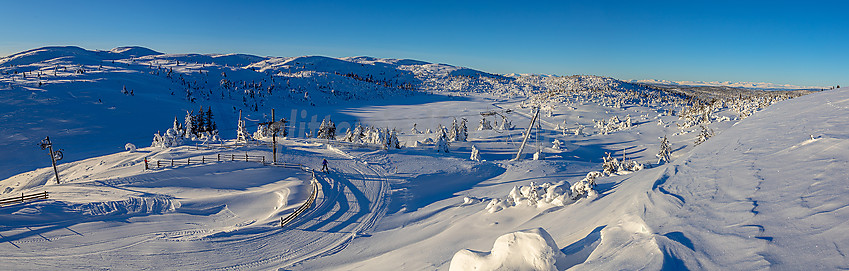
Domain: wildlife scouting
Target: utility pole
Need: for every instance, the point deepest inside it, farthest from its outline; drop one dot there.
(54, 156)
(274, 127)
(527, 135)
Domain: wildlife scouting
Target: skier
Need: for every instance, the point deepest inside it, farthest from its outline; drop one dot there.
(324, 166)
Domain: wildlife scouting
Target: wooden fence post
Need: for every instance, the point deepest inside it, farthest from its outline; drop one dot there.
(246, 156)
(189, 160)
(219, 157)
(203, 159)
(172, 162)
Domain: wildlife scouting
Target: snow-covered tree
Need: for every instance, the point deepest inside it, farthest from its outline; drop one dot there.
(476, 156)
(484, 125)
(170, 139)
(704, 135)
(663, 155)
(505, 124)
(327, 130)
(178, 127)
(200, 122)
(189, 125)
(453, 130)
(392, 141)
(442, 143)
(556, 144)
(414, 130)
(210, 123)
(462, 131)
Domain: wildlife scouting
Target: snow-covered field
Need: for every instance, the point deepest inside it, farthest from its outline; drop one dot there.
(764, 189)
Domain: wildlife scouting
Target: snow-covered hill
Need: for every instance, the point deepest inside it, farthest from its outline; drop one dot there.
(754, 179)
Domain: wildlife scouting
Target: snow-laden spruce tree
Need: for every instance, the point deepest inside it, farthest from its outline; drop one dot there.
(505, 124)
(665, 150)
(484, 125)
(358, 134)
(476, 156)
(704, 135)
(167, 140)
(327, 129)
(442, 143)
(189, 127)
(556, 144)
(462, 131)
(178, 127)
(453, 130)
(392, 141)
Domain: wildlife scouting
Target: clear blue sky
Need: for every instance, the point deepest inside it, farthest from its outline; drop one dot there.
(795, 42)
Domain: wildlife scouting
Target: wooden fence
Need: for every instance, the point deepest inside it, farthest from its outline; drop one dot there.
(148, 164)
(305, 206)
(22, 198)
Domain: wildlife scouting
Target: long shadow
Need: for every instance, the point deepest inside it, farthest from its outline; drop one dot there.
(362, 201)
(338, 191)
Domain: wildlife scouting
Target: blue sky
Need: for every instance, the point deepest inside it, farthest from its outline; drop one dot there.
(792, 42)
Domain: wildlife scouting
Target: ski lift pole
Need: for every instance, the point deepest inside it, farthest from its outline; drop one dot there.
(46, 144)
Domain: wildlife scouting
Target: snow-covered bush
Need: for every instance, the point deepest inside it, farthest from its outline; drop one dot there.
(167, 140)
(613, 124)
(585, 187)
(543, 195)
(476, 156)
(539, 155)
(557, 145)
(663, 155)
(130, 147)
(613, 166)
(484, 125)
(704, 135)
(442, 143)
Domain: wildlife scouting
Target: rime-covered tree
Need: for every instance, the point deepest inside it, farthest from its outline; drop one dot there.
(327, 130)
(442, 143)
(189, 124)
(476, 156)
(484, 125)
(178, 127)
(462, 131)
(392, 141)
(704, 135)
(665, 150)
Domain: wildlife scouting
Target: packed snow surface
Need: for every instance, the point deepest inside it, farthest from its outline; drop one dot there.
(765, 190)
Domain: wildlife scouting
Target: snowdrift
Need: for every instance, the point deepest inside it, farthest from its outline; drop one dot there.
(532, 249)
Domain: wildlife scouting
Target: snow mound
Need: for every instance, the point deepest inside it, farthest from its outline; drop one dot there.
(532, 249)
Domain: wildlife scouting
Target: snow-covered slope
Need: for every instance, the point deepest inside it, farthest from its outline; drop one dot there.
(765, 191)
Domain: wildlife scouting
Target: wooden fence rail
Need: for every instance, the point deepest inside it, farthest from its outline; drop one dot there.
(305, 206)
(22, 198)
(148, 164)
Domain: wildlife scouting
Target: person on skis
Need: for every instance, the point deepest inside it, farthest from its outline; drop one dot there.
(324, 166)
